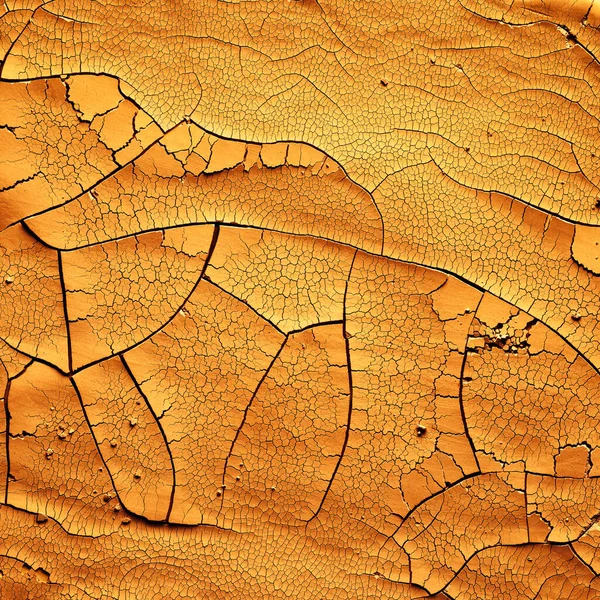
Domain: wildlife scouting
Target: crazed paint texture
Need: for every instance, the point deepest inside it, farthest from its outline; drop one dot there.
(299, 299)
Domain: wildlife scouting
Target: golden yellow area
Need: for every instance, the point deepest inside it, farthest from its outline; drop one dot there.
(299, 299)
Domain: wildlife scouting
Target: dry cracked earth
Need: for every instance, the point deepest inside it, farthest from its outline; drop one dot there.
(299, 299)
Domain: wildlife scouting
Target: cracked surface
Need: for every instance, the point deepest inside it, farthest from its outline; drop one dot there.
(119, 293)
(299, 300)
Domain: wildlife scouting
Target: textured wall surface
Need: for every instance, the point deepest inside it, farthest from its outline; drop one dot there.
(299, 299)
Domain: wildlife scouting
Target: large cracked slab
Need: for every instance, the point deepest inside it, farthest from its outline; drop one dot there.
(299, 300)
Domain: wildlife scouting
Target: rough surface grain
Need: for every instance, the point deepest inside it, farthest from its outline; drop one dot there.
(299, 299)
